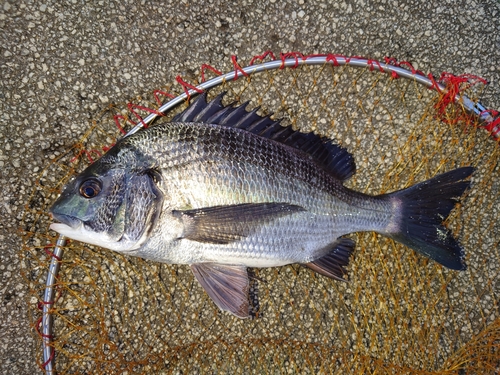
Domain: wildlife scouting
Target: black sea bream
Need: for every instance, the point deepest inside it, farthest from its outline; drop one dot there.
(223, 189)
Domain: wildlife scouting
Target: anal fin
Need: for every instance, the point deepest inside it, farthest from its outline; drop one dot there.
(227, 285)
(332, 264)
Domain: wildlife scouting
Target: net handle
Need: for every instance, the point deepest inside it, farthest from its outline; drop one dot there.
(490, 119)
(48, 302)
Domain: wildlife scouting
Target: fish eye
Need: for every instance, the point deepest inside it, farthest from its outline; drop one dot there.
(90, 188)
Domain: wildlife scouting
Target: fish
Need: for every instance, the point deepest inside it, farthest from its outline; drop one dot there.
(223, 189)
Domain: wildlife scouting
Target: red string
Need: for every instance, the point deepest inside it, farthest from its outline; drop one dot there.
(46, 249)
(237, 68)
(204, 67)
(157, 93)
(37, 328)
(107, 148)
(463, 78)
(391, 60)
(490, 112)
(372, 64)
(131, 107)
(186, 86)
(262, 57)
(41, 303)
(333, 58)
(51, 357)
(454, 85)
(494, 126)
(314, 55)
(88, 153)
(413, 70)
(434, 84)
(394, 62)
(295, 55)
(119, 126)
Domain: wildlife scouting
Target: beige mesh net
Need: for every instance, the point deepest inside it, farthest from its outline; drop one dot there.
(400, 313)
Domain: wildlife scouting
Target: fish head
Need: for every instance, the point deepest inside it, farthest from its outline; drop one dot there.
(110, 205)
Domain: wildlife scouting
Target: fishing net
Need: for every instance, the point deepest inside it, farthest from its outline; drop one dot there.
(399, 314)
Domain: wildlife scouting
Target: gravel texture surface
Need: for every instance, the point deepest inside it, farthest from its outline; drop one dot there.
(62, 62)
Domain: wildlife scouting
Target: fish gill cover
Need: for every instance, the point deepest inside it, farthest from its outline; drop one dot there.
(399, 314)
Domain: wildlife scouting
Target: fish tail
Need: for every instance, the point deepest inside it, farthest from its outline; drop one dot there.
(419, 212)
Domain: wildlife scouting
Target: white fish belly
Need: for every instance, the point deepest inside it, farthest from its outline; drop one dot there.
(297, 238)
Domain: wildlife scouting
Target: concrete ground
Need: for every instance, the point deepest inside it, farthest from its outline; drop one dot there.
(61, 63)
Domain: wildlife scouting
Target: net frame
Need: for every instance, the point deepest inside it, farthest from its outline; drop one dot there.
(447, 86)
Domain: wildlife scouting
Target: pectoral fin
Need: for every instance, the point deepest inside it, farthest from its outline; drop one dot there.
(227, 285)
(226, 224)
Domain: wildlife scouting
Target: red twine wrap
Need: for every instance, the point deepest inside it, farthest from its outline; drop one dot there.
(333, 58)
(494, 126)
(186, 86)
(262, 57)
(454, 86)
(157, 94)
(52, 354)
(132, 106)
(87, 153)
(294, 55)
(237, 67)
(205, 67)
(392, 61)
(119, 126)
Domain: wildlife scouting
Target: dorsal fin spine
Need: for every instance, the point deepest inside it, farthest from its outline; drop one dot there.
(335, 159)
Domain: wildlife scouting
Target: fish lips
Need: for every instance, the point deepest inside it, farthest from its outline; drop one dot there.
(68, 220)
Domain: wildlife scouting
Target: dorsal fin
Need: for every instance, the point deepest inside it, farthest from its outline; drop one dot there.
(334, 158)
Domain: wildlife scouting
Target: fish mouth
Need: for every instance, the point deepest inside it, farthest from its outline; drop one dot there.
(67, 220)
(69, 226)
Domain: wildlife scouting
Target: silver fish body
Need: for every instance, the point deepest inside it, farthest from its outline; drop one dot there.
(211, 165)
(222, 189)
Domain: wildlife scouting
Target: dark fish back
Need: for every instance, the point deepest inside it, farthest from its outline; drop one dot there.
(332, 157)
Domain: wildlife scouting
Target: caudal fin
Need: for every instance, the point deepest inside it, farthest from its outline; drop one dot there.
(421, 210)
